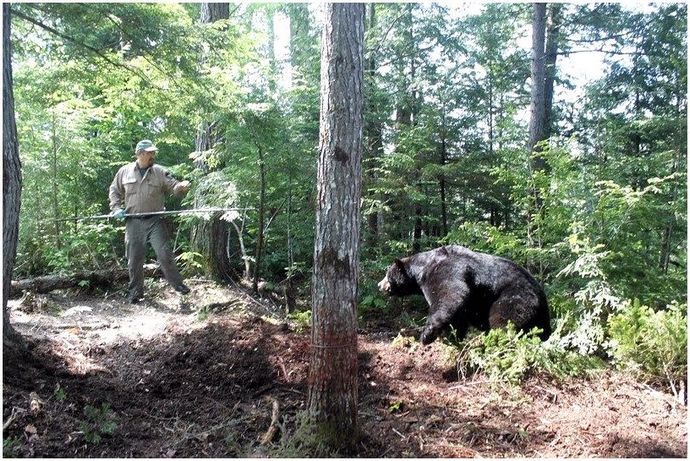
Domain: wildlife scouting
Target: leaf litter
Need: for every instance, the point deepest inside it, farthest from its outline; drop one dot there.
(219, 373)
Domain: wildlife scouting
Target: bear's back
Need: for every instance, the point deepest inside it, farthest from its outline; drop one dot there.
(489, 270)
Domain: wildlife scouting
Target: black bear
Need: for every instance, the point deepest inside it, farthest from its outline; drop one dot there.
(464, 288)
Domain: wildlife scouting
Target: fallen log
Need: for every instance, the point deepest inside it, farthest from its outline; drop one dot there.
(93, 279)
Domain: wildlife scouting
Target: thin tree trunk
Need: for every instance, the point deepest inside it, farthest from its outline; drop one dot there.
(491, 110)
(243, 249)
(442, 182)
(536, 124)
(56, 207)
(490, 79)
(289, 283)
(418, 212)
(332, 400)
(203, 143)
(299, 29)
(667, 233)
(374, 134)
(262, 217)
(537, 127)
(11, 181)
(417, 229)
(271, 51)
(551, 53)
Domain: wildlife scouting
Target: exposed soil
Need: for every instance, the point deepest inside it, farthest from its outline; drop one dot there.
(197, 376)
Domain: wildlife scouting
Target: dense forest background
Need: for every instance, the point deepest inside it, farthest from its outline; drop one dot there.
(230, 94)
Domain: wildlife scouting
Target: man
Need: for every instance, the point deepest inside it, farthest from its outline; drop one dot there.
(140, 187)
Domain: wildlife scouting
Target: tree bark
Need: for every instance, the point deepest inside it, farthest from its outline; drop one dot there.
(243, 250)
(442, 180)
(55, 195)
(374, 133)
(210, 237)
(273, 65)
(11, 181)
(262, 218)
(490, 103)
(537, 128)
(414, 118)
(212, 12)
(553, 35)
(332, 400)
(299, 32)
(536, 124)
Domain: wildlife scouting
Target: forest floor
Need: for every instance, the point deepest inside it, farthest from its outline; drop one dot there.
(204, 375)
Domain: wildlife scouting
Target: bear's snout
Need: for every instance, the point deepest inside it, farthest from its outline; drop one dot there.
(385, 285)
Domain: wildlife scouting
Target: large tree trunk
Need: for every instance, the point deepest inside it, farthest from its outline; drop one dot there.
(206, 136)
(209, 237)
(332, 401)
(212, 12)
(11, 181)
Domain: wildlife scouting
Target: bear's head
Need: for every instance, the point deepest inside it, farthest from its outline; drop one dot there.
(398, 281)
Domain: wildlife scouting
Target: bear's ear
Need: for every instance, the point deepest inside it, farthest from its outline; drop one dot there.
(399, 264)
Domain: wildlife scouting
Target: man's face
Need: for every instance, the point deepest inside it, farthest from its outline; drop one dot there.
(145, 158)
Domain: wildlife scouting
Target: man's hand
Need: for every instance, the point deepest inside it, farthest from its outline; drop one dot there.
(182, 187)
(118, 214)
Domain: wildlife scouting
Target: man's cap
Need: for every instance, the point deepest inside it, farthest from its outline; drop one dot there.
(145, 145)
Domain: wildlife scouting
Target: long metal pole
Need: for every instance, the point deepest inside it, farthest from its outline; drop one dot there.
(153, 213)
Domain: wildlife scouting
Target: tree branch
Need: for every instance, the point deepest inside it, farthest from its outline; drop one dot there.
(94, 50)
(147, 56)
(609, 52)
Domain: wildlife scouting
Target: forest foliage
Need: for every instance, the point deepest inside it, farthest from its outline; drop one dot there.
(445, 149)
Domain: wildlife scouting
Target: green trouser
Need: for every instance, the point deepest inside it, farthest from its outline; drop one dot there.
(138, 232)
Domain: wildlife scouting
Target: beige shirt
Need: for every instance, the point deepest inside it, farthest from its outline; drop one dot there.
(141, 194)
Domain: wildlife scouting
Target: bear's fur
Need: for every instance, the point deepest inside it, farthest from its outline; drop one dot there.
(464, 288)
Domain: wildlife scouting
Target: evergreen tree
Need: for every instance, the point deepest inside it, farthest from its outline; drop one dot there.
(332, 401)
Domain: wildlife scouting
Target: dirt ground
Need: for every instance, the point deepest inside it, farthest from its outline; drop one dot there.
(203, 375)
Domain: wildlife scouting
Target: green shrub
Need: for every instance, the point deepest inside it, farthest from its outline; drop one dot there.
(86, 248)
(99, 421)
(302, 320)
(509, 356)
(190, 262)
(370, 298)
(593, 296)
(652, 343)
(10, 445)
(203, 314)
(411, 320)
(372, 301)
(60, 394)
